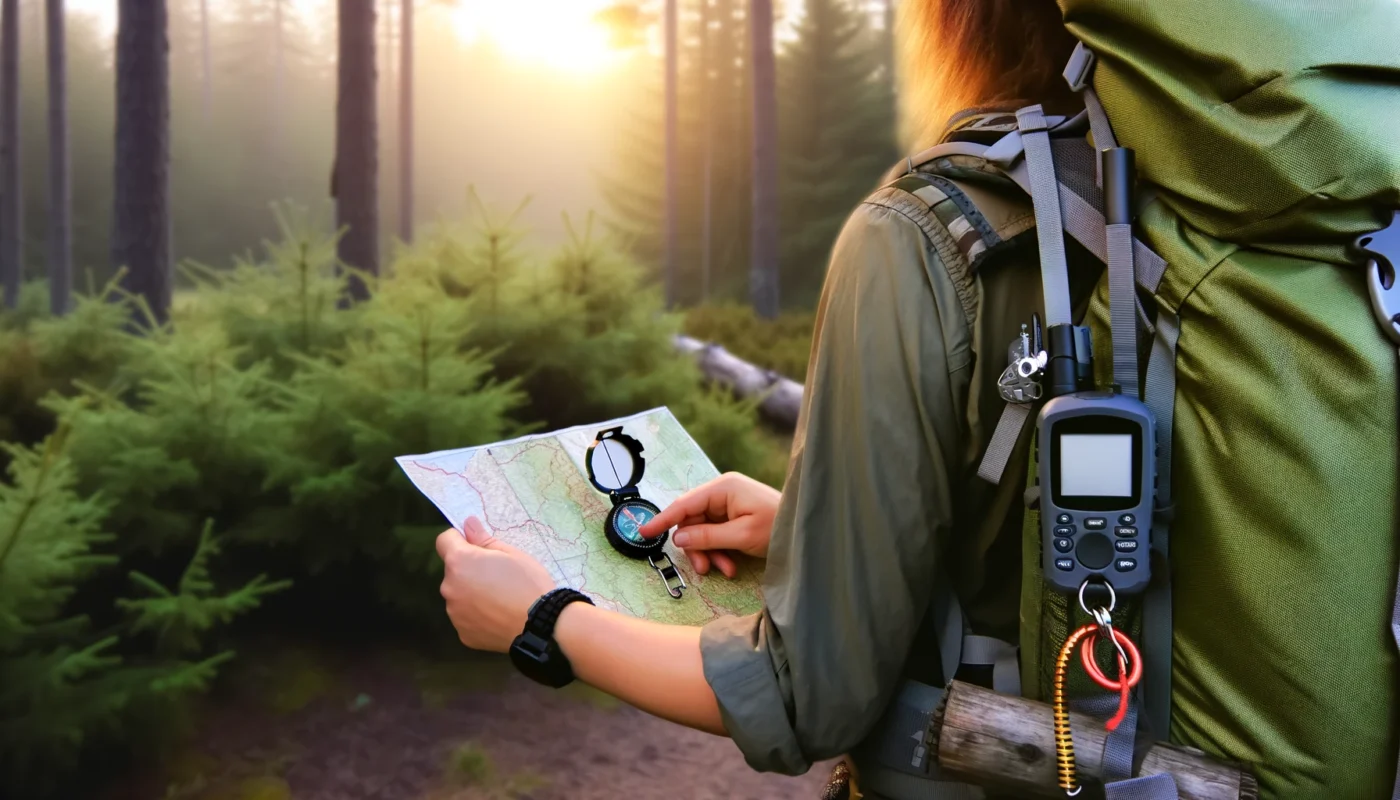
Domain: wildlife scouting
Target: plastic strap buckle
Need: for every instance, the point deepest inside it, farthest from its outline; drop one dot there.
(1080, 68)
(1383, 250)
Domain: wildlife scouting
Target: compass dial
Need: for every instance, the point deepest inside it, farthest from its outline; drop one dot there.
(630, 519)
(624, 528)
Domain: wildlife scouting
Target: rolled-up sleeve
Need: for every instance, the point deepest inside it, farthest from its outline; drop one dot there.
(867, 495)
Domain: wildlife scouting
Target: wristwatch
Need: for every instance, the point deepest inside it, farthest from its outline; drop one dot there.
(534, 652)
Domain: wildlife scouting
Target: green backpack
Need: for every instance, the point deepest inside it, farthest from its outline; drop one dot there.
(1267, 137)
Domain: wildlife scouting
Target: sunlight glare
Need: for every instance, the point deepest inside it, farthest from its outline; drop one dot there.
(557, 33)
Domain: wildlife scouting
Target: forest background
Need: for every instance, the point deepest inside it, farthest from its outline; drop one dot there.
(221, 471)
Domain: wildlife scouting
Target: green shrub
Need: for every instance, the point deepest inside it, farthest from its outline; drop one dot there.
(72, 682)
(260, 426)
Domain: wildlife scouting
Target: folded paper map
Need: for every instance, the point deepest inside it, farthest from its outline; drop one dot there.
(534, 494)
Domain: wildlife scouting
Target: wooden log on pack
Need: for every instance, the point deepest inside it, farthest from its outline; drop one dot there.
(1008, 743)
(782, 397)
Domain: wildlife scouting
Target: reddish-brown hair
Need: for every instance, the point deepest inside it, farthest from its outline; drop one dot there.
(958, 54)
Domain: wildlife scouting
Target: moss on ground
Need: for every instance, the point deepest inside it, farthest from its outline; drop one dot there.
(469, 765)
(440, 681)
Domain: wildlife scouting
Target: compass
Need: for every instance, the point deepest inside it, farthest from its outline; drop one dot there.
(615, 467)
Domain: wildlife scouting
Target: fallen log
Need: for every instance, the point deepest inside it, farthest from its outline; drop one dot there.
(1008, 743)
(782, 397)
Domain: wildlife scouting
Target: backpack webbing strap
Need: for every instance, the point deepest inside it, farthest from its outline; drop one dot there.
(1123, 308)
(1395, 633)
(1150, 787)
(1010, 426)
(1045, 191)
(898, 760)
(1157, 601)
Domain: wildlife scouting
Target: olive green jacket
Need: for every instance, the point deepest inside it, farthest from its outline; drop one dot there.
(882, 497)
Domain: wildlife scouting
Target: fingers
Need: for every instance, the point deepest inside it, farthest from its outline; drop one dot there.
(726, 564)
(708, 501)
(700, 560)
(690, 505)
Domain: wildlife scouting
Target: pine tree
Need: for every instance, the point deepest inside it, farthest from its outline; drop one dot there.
(836, 126)
(355, 180)
(141, 231)
(635, 191)
(66, 685)
(837, 134)
(11, 196)
(60, 180)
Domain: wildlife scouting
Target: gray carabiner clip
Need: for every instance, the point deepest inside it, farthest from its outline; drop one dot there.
(1382, 248)
(668, 573)
(1020, 381)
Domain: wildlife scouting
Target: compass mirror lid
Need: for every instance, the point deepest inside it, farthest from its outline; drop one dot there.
(615, 461)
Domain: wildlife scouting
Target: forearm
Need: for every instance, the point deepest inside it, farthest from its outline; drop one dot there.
(654, 667)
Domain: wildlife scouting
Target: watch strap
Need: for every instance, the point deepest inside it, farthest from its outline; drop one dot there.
(546, 610)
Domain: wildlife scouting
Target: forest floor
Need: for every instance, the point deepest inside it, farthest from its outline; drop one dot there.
(396, 725)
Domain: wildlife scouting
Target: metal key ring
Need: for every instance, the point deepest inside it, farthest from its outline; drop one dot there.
(1112, 597)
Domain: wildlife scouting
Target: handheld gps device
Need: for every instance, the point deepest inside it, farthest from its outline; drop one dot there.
(1097, 480)
(615, 466)
(1098, 449)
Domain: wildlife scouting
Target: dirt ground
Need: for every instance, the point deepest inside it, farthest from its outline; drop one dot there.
(393, 726)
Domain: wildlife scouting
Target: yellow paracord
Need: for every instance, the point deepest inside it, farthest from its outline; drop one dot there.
(1064, 741)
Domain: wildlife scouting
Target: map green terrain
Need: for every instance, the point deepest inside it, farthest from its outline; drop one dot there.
(534, 494)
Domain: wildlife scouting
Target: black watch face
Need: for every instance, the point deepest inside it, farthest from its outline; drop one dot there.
(624, 528)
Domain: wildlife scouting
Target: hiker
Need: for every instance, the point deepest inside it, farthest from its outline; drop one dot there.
(1267, 141)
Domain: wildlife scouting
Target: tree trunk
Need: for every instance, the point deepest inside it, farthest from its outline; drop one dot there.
(707, 166)
(279, 97)
(141, 230)
(207, 58)
(782, 396)
(60, 185)
(763, 278)
(355, 185)
(672, 191)
(11, 200)
(406, 122)
(1008, 743)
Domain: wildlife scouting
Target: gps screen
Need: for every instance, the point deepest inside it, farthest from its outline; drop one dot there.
(1096, 465)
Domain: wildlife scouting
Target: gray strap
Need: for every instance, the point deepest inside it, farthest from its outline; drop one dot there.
(1149, 787)
(1118, 746)
(948, 616)
(1004, 438)
(1098, 121)
(897, 762)
(987, 651)
(1103, 132)
(1088, 227)
(1044, 191)
(1395, 634)
(1157, 601)
(1123, 308)
(893, 785)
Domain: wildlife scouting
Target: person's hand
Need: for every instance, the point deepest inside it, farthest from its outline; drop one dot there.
(488, 585)
(731, 514)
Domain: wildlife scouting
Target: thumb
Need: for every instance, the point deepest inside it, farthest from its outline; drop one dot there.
(477, 534)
